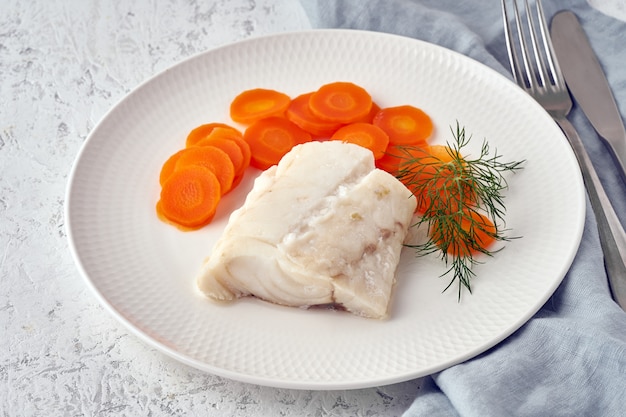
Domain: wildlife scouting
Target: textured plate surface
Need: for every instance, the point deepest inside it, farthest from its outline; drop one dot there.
(143, 270)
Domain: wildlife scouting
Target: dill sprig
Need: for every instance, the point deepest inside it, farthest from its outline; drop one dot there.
(453, 192)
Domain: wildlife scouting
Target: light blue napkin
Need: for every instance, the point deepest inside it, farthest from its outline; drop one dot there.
(570, 359)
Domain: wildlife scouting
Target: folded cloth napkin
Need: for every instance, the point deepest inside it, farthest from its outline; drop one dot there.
(570, 358)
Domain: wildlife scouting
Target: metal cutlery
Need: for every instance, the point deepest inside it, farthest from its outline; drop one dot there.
(539, 74)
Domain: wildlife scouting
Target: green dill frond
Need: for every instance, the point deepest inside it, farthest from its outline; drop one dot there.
(454, 194)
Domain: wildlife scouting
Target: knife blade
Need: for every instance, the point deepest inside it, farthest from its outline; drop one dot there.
(587, 83)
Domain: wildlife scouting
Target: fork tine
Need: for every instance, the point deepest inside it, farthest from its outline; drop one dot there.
(528, 63)
(523, 74)
(539, 60)
(555, 69)
(510, 47)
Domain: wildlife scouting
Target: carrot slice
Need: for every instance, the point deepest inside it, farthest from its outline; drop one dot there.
(369, 117)
(390, 161)
(257, 104)
(300, 113)
(169, 166)
(233, 144)
(205, 130)
(237, 137)
(472, 234)
(270, 139)
(435, 178)
(229, 146)
(422, 171)
(405, 125)
(189, 197)
(245, 151)
(340, 102)
(366, 135)
(216, 160)
(234, 153)
(396, 158)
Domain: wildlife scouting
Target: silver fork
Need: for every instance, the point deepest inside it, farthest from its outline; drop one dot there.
(539, 74)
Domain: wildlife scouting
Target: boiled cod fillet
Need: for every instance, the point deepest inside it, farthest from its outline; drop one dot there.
(323, 227)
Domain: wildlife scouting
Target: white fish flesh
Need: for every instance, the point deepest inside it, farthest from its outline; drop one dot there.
(323, 227)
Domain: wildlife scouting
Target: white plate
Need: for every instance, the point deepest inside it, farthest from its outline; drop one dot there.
(143, 270)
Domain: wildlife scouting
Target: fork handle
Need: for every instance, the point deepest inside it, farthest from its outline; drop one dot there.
(612, 235)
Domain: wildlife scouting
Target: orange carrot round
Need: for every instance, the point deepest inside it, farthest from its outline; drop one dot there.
(366, 135)
(169, 166)
(270, 139)
(237, 137)
(422, 171)
(390, 160)
(475, 234)
(300, 113)
(245, 151)
(216, 160)
(395, 158)
(369, 117)
(340, 102)
(205, 130)
(257, 104)
(434, 175)
(189, 197)
(234, 153)
(405, 125)
(229, 146)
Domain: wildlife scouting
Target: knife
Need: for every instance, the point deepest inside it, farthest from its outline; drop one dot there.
(587, 83)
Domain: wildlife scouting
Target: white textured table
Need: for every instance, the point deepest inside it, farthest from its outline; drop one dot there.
(63, 64)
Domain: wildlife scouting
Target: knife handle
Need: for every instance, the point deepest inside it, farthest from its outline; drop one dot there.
(612, 235)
